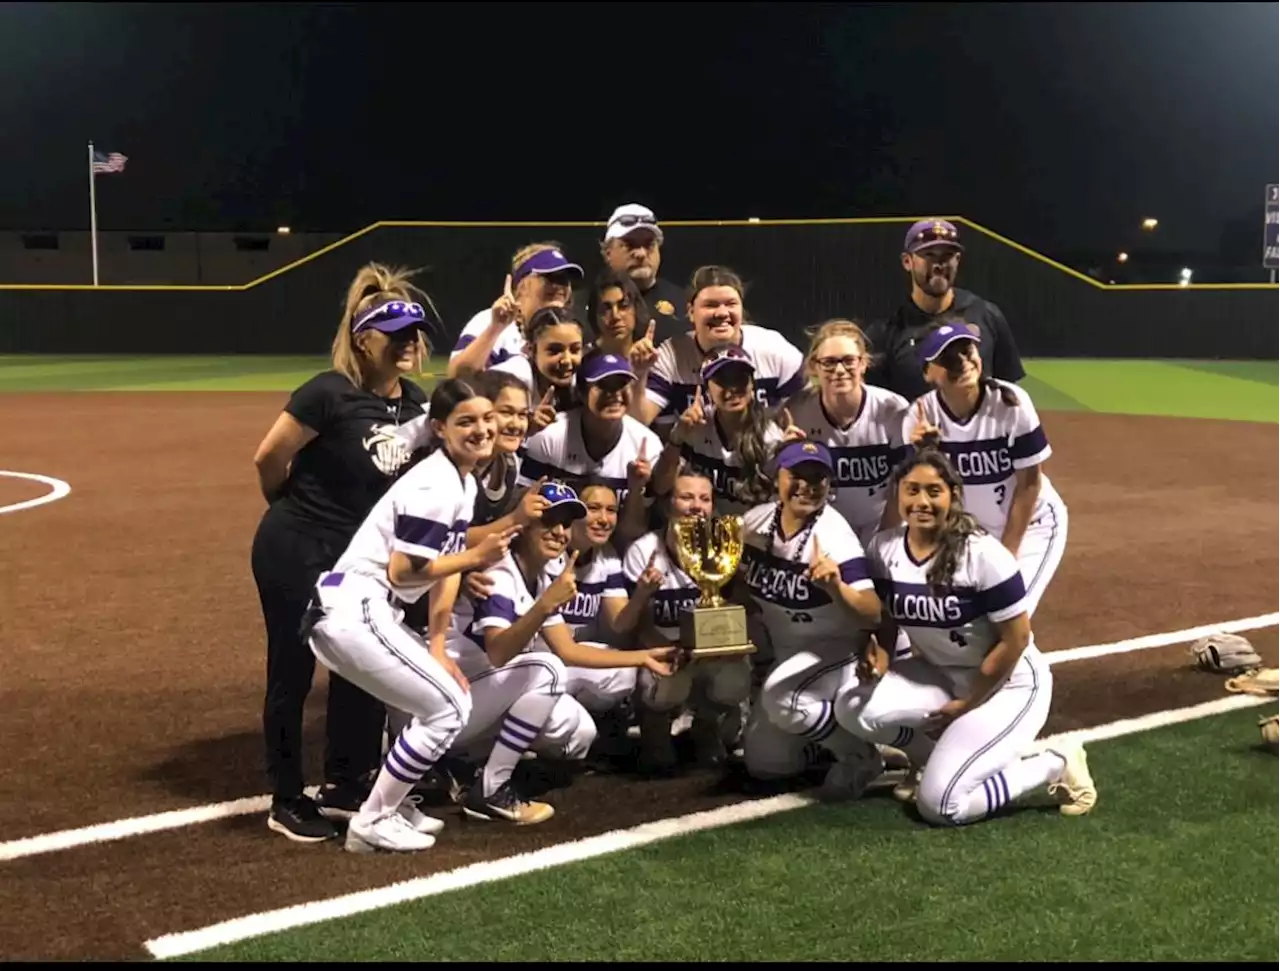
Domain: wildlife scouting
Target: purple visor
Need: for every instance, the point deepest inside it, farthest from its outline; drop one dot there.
(390, 317)
(543, 263)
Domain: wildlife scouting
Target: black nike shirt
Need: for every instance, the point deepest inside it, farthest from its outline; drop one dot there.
(893, 342)
(340, 474)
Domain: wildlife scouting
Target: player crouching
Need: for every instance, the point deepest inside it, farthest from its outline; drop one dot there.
(517, 651)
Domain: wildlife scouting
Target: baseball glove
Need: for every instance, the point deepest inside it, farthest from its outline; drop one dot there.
(1225, 654)
(1269, 728)
(1263, 681)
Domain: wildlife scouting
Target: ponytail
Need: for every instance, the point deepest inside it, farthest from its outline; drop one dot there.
(755, 486)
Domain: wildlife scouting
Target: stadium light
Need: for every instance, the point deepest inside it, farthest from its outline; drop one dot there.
(1149, 224)
(282, 230)
(753, 219)
(1184, 278)
(1122, 258)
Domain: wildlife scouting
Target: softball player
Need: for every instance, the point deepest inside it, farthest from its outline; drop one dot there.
(551, 358)
(860, 424)
(656, 581)
(598, 440)
(716, 312)
(514, 646)
(540, 277)
(730, 439)
(977, 676)
(990, 431)
(412, 543)
(804, 567)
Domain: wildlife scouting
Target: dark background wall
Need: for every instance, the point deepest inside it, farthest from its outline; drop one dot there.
(797, 275)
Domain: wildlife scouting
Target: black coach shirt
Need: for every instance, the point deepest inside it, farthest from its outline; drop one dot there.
(666, 303)
(893, 341)
(341, 473)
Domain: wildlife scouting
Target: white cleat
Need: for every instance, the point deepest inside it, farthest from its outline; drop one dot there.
(387, 833)
(420, 821)
(1074, 789)
(905, 791)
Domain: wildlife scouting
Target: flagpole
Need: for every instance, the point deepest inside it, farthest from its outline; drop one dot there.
(93, 216)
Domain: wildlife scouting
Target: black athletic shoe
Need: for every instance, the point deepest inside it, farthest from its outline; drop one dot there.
(341, 801)
(300, 820)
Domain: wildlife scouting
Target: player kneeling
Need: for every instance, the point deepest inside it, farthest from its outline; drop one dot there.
(976, 681)
(803, 566)
(516, 649)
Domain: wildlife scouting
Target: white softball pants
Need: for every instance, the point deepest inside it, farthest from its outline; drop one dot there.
(522, 706)
(1041, 551)
(600, 689)
(976, 766)
(796, 709)
(361, 637)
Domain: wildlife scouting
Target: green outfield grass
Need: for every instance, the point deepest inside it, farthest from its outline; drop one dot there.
(1239, 390)
(1145, 877)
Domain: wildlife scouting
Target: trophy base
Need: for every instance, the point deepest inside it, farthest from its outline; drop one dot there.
(707, 633)
(714, 653)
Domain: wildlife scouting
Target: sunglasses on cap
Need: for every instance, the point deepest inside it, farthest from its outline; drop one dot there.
(390, 317)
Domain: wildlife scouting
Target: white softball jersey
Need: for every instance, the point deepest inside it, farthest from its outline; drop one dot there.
(773, 568)
(988, 448)
(707, 453)
(510, 342)
(598, 578)
(954, 629)
(559, 453)
(677, 591)
(426, 513)
(865, 453)
(510, 598)
(675, 374)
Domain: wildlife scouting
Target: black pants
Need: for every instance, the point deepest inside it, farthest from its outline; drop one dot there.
(287, 560)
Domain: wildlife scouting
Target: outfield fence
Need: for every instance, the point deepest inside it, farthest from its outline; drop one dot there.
(798, 273)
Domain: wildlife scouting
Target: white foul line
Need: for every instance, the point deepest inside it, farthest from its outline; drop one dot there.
(58, 488)
(1163, 640)
(139, 825)
(301, 915)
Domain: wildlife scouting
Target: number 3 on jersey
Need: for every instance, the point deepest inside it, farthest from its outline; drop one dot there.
(1000, 490)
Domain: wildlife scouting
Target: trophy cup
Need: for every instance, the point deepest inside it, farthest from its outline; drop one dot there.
(709, 550)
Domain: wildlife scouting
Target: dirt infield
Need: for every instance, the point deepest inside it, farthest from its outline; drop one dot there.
(134, 651)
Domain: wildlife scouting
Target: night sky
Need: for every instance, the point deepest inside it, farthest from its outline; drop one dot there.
(1060, 125)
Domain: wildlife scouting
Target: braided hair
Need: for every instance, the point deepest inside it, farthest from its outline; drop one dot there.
(954, 532)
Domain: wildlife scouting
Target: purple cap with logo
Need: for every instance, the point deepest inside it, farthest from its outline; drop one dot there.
(597, 367)
(723, 357)
(937, 341)
(931, 234)
(544, 262)
(798, 453)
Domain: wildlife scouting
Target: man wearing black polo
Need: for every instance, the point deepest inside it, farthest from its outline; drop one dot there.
(931, 256)
(632, 244)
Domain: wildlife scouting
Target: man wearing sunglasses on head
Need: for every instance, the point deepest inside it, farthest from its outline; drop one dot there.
(323, 465)
(632, 244)
(931, 257)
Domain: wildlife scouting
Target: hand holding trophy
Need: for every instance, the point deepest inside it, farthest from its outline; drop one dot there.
(710, 549)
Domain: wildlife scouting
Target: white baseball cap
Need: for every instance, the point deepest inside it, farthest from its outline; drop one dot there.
(629, 218)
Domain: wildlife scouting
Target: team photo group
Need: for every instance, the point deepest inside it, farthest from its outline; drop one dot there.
(501, 570)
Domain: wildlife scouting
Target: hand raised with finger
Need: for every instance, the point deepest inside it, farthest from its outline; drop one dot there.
(924, 429)
(565, 587)
(822, 569)
(639, 471)
(545, 413)
(791, 432)
(494, 547)
(651, 579)
(533, 503)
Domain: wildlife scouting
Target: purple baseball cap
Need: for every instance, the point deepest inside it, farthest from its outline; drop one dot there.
(798, 453)
(937, 341)
(597, 367)
(930, 234)
(544, 262)
(390, 317)
(723, 357)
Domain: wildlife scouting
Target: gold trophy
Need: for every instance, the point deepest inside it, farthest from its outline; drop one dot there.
(710, 550)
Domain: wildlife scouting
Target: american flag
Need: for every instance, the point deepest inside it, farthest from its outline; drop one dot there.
(108, 161)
